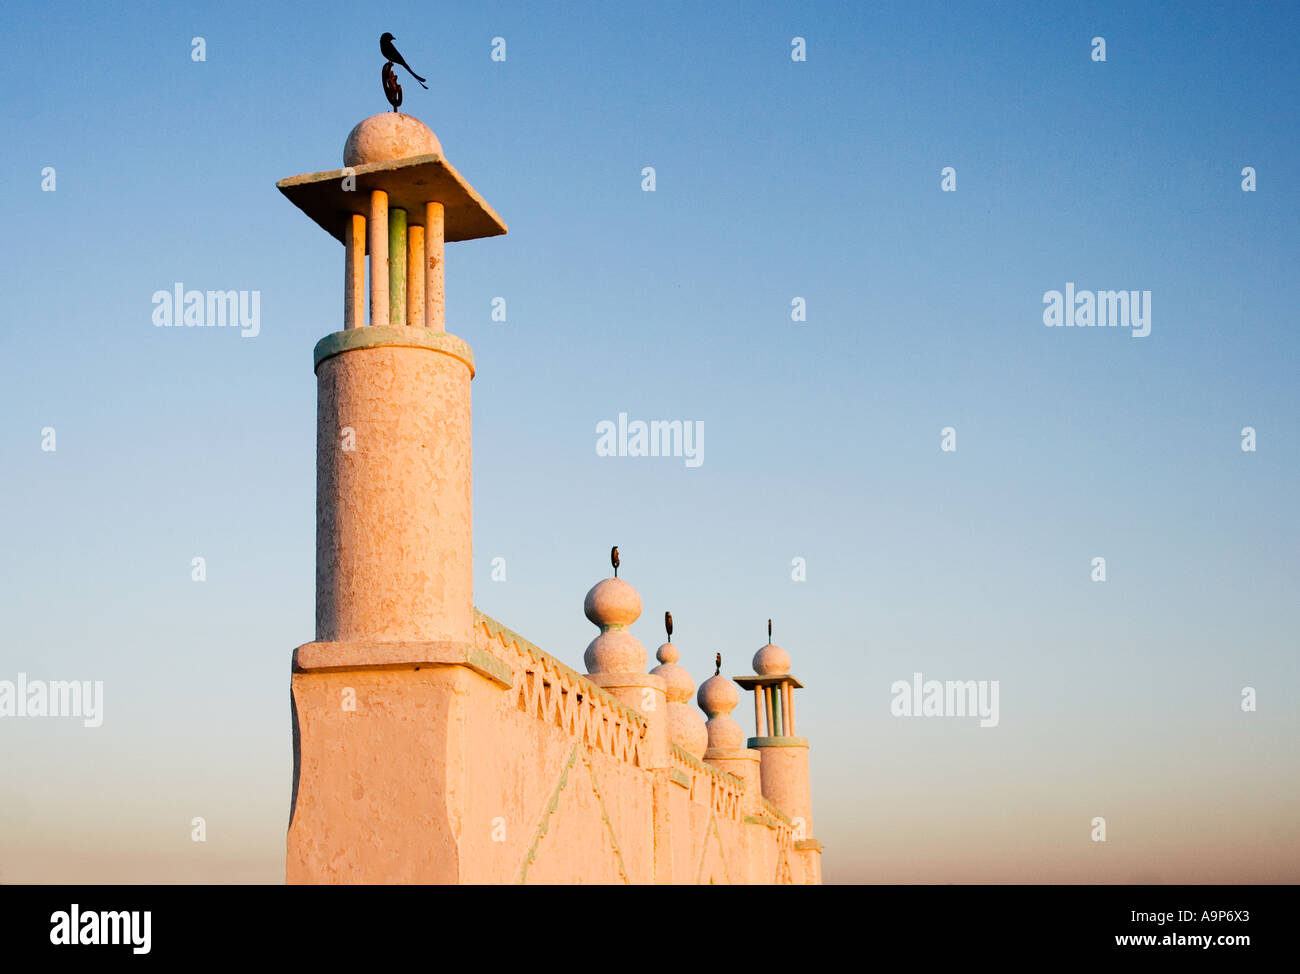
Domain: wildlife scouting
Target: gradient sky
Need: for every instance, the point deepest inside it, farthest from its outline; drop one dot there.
(775, 179)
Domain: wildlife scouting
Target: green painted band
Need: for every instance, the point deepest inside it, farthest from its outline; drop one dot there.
(397, 266)
(777, 742)
(354, 338)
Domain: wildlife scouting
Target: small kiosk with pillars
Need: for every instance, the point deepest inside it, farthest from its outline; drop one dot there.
(783, 757)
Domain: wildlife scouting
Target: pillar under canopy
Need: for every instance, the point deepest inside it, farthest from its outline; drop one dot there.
(354, 272)
(415, 276)
(397, 258)
(378, 230)
(434, 297)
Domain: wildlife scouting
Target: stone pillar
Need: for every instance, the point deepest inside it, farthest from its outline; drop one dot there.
(434, 297)
(378, 230)
(354, 272)
(415, 276)
(397, 260)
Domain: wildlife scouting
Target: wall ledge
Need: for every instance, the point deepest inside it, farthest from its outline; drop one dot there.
(777, 742)
(342, 657)
(403, 337)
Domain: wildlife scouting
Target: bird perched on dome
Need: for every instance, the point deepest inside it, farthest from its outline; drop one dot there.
(613, 559)
(668, 625)
(387, 49)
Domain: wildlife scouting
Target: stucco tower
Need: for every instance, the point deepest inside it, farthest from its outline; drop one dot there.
(394, 544)
(783, 756)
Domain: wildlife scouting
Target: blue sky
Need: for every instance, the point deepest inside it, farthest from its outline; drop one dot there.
(775, 179)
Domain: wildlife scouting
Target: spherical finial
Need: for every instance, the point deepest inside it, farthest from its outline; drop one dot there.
(615, 652)
(389, 136)
(718, 697)
(685, 725)
(612, 604)
(771, 660)
(686, 729)
(678, 679)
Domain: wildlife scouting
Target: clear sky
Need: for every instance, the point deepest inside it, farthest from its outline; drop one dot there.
(775, 179)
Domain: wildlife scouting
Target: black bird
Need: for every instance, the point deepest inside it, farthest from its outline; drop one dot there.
(613, 559)
(387, 50)
(717, 664)
(769, 631)
(668, 624)
(392, 90)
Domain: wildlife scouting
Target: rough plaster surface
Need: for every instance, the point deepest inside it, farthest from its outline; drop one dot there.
(771, 660)
(440, 774)
(394, 540)
(386, 137)
(374, 778)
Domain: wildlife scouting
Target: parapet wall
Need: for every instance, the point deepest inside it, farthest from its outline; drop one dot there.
(568, 767)
(497, 763)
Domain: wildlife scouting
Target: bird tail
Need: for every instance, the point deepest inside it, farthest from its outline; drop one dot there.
(421, 80)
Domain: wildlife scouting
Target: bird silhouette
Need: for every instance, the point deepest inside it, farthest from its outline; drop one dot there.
(392, 90)
(613, 559)
(717, 664)
(387, 50)
(668, 624)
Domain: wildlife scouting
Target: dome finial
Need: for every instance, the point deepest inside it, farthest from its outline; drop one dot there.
(685, 726)
(613, 559)
(613, 605)
(718, 698)
(771, 659)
